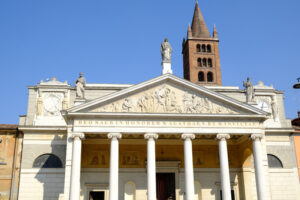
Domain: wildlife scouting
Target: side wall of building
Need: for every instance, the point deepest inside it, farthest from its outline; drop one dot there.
(42, 182)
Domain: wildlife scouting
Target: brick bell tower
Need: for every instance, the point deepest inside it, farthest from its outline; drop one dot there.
(201, 58)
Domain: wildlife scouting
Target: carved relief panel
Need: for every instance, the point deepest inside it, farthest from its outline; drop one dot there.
(168, 99)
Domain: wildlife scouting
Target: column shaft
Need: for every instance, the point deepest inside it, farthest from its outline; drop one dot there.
(151, 166)
(188, 166)
(76, 167)
(224, 166)
(259, 169)
(114, 166)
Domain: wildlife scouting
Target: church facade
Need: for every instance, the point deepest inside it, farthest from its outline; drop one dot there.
(166, 138)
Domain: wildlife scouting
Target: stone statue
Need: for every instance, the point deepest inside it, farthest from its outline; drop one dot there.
(166, 51)
(249, 90)
(80, 85)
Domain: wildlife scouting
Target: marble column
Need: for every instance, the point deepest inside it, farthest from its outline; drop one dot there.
(259, 168)
(224, 166)
(151, 165)
(188, 166)
(114, 166)
(76, 166)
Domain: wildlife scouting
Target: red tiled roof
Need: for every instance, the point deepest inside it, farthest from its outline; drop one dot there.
(8, 126)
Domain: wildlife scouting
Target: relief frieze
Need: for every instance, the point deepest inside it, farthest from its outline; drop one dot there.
(167, 99)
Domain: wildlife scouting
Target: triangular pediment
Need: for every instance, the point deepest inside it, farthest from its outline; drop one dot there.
(167, 94)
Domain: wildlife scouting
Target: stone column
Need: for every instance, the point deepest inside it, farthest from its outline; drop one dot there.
(151, 165)
(259, 169)
(188, 166)
(224, 166)
(114, 166)
(76, 166)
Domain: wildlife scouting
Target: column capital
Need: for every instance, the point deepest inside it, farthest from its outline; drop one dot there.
(77, 136)
(256, 136)
(114, 136)
(222, 136)
(151, 136)
(186, 136)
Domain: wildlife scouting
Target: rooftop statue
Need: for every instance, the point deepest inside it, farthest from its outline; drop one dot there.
(249, 89)
(166, 51)
(80, 85)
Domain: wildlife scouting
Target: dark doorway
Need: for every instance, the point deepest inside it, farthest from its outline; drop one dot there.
(165, 186)
(232, 195)
(96, 196)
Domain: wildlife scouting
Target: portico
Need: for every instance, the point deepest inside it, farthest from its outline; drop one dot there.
(165, 120)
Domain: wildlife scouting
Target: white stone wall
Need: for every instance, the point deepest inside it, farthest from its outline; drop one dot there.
(209, 179)
(46, 184)
(284, 184)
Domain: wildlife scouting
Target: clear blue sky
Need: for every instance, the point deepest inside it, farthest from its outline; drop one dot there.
(119, 42)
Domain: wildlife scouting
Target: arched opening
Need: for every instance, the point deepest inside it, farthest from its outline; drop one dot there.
(199, 62)
(274, 161)
(47, 161)
(210, 77)
(203, 48)
(204, 60)
(209, 62)
(129, 191)
(198, 194)
(209, 48)
(198, 47)
(200, 76)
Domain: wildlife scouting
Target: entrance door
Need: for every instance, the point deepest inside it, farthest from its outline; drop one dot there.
(165, 186)
(96, 196)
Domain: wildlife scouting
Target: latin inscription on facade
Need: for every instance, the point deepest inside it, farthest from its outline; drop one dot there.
(168, 123)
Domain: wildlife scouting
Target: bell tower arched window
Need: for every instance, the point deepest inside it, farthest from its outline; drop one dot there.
(203, 48)
(200, 76)
(210, 77)
(198, 47)
(199, 62)
(204, 60)
(209, 62)
(208, 48)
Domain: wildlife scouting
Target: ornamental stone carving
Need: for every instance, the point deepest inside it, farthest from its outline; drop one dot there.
(189, 136)
(65, 103)
(39, 109)
(151, 136)
(222, 136)
(114, 136)
(77, 136)
(256, 137)
(167, 99)
(274, 108)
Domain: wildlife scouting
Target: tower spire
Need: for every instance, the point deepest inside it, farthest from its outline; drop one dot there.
(199, 28)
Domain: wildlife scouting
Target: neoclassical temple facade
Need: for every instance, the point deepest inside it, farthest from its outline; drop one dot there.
(166, 138)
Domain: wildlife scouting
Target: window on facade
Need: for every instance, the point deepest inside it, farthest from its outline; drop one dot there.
(47, 161)
(209, 62)
(274, 162)
(210, 77)
(198, 48)
(208, 48)
(200, 76)
(204, 60)
(199, 62)
(203, 48)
